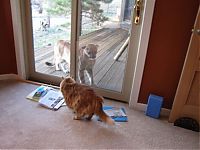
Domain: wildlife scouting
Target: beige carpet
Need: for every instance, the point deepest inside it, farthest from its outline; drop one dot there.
(24, 124)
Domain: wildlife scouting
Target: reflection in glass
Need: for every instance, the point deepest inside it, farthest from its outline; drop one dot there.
(104, 31)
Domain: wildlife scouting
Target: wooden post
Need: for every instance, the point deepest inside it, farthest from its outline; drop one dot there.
(121, 50)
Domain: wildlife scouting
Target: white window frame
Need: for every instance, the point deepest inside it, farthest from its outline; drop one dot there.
(141, 55)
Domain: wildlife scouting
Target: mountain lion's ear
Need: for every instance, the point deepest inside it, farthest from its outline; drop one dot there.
(83, 47)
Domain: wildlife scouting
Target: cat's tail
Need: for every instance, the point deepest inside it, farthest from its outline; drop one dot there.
(50, 64)
(102, 115)
(105, 118)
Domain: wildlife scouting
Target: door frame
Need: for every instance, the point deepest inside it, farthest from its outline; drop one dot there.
(140, 53)
(180, 107)
(23, 32)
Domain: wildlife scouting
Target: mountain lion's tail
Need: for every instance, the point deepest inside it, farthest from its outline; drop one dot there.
(50, 64)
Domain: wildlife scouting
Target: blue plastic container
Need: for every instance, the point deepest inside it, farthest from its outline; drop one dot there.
(154, 106)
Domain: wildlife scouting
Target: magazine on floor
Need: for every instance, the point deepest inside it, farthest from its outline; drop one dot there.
(47, 96)
(116, 113)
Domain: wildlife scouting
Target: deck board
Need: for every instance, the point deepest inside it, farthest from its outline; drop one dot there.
(116, 80)
(108, 73)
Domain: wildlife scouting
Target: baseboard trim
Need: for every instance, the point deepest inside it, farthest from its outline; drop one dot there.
(17, 77)
(138, 106)
(9, 76)
(142, 107)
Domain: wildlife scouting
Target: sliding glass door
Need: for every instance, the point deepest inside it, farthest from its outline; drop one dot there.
(104, 31)
(48, 24)
(86, 39)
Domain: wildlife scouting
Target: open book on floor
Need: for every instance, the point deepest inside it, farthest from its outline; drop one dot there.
(116, 113)
(47, 96)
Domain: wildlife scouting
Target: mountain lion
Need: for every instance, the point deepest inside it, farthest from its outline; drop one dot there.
(61, 56)
(87, 60)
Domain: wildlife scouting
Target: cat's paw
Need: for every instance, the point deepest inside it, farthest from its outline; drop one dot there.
(66, 71)
(89, 117)
(76, 118)
(58, 69)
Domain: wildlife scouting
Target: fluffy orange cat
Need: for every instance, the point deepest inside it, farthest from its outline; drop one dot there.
(83, 100)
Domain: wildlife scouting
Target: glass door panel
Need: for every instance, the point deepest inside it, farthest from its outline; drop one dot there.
(51, 32)
(97, 53)
(104, 32)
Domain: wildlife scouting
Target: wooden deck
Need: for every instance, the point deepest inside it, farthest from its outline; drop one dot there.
(108, 73)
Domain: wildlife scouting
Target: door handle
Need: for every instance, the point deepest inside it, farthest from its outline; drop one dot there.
(137, 11)
(197, 31)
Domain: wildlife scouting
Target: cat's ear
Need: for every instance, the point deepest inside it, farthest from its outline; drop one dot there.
(83, 47)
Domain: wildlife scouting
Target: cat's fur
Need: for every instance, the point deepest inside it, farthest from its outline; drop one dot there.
(61, 56)
(83, 100)
(87, 59)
